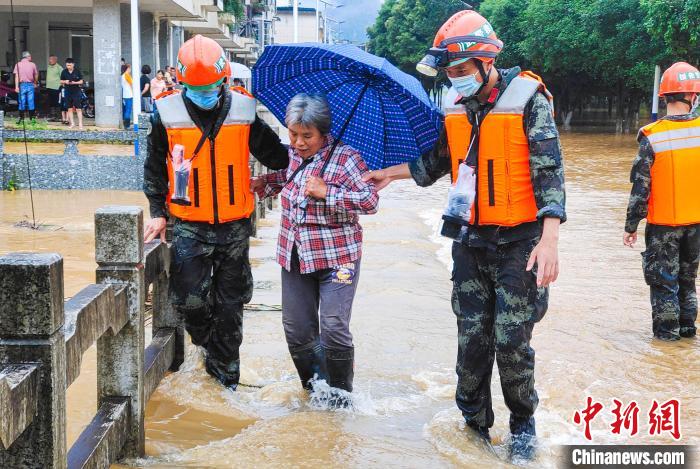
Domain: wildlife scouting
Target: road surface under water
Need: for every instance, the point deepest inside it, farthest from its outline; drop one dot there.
(595, 340)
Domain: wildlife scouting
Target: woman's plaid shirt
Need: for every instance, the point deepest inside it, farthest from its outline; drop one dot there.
(326, 232)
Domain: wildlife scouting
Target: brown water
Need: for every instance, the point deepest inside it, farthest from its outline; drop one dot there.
(35, 148)
(595, 340)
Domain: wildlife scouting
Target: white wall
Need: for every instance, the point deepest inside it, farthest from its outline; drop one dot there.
(284, 29)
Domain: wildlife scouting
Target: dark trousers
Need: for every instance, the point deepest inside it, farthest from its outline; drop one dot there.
(497, 304)
(670, 264)
(318, 305)
(209, 284)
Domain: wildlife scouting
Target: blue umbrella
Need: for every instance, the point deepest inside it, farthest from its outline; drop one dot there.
(376, 108)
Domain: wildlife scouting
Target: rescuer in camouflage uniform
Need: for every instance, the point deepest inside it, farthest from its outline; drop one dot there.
(210, 275)
(670, 261)
(500, 273)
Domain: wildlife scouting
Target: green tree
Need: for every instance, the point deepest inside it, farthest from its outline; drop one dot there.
(675, 22)
(405, 29)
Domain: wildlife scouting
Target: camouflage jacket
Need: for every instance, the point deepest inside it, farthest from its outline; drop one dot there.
(640, 177)
(546, 166)
(264, 144)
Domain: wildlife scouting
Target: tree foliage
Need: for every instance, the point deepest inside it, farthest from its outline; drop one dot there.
(584, 49)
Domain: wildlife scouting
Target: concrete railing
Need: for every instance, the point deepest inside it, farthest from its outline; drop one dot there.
(69, 169)
(43, 338)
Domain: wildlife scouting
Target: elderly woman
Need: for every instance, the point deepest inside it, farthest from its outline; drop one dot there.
(320, 241)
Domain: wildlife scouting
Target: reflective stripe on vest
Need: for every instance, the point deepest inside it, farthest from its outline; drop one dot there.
(219, 183)
(504, 187)
(675, 174)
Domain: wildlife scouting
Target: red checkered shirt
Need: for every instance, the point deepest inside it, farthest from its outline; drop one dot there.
(325, 232)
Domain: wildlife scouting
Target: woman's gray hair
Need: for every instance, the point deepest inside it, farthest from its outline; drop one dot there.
(309, 110)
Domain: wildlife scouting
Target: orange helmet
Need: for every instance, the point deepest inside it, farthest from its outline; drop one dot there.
(680, 77)
(202, 64)
(466, 35)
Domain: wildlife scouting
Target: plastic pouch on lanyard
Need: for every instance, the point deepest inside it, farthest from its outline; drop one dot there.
(459, 203)
(181, 175)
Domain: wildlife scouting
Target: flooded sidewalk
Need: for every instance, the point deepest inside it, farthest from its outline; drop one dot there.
(595, 340)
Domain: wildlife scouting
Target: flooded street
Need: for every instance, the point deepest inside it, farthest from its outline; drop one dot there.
(595, 339)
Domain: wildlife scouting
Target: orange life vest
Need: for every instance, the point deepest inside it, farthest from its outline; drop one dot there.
(504, 188)
(675, 174)
(219, 184)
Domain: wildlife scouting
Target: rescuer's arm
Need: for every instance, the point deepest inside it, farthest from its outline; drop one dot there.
(155, 170)
(640, 177)
(547, 176)
(266, 146)
(546, 164)
(425, 170)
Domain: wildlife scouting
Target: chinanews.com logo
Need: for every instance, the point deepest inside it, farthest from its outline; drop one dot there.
(656, 419)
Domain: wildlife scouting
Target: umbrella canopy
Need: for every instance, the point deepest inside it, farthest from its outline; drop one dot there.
(239, 71)
(376, 108)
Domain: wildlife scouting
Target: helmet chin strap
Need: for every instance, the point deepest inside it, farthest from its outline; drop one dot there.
(484, 76)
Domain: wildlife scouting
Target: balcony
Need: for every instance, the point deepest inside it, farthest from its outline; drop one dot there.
(214, 5)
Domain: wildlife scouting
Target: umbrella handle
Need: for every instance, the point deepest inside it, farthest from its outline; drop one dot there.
(344, 127)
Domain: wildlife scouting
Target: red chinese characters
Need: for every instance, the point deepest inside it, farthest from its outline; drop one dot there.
(592, 409)
(665, 418)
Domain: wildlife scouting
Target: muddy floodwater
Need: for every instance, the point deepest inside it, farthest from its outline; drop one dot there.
(595, 340)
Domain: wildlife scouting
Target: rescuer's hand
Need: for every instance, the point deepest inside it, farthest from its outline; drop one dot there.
(628, 239)
(316, 188)
(257, 186)
(155, 227)
(546, 254)
(379, 177)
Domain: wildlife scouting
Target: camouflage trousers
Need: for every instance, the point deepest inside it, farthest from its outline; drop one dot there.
(210, 281)
(670, 265)
(497, 304)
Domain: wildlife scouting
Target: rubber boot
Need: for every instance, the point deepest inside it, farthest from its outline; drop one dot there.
(523, 439)
(310, 362)
(228, 374)
(340, 365)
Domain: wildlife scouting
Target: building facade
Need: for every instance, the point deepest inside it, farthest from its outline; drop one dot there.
(97, 34)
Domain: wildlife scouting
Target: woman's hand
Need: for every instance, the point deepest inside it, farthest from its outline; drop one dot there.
(628, 239)
(316, 188)
(257, 186)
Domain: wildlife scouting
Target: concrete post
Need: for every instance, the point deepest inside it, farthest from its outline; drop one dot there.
(166, 316)
(120, 259)
(31, 321)
(4, 39)
(106, 29)
(38, 39)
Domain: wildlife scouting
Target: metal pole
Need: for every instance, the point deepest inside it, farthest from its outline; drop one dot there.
(655, 97)
(156, 28)
(318, 25)
(135, 69)
(295, 11)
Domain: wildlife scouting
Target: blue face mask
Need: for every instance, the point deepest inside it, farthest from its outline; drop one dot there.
(466, 86)
(203, 99)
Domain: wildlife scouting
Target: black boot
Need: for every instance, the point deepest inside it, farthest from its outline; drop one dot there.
(481, 432)
(340, 365)
(310, 362)
(523, 439)
(228, 374)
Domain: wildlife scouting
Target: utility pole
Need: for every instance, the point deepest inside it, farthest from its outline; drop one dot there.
(295, 14)
(655, 97)
(135, 68)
